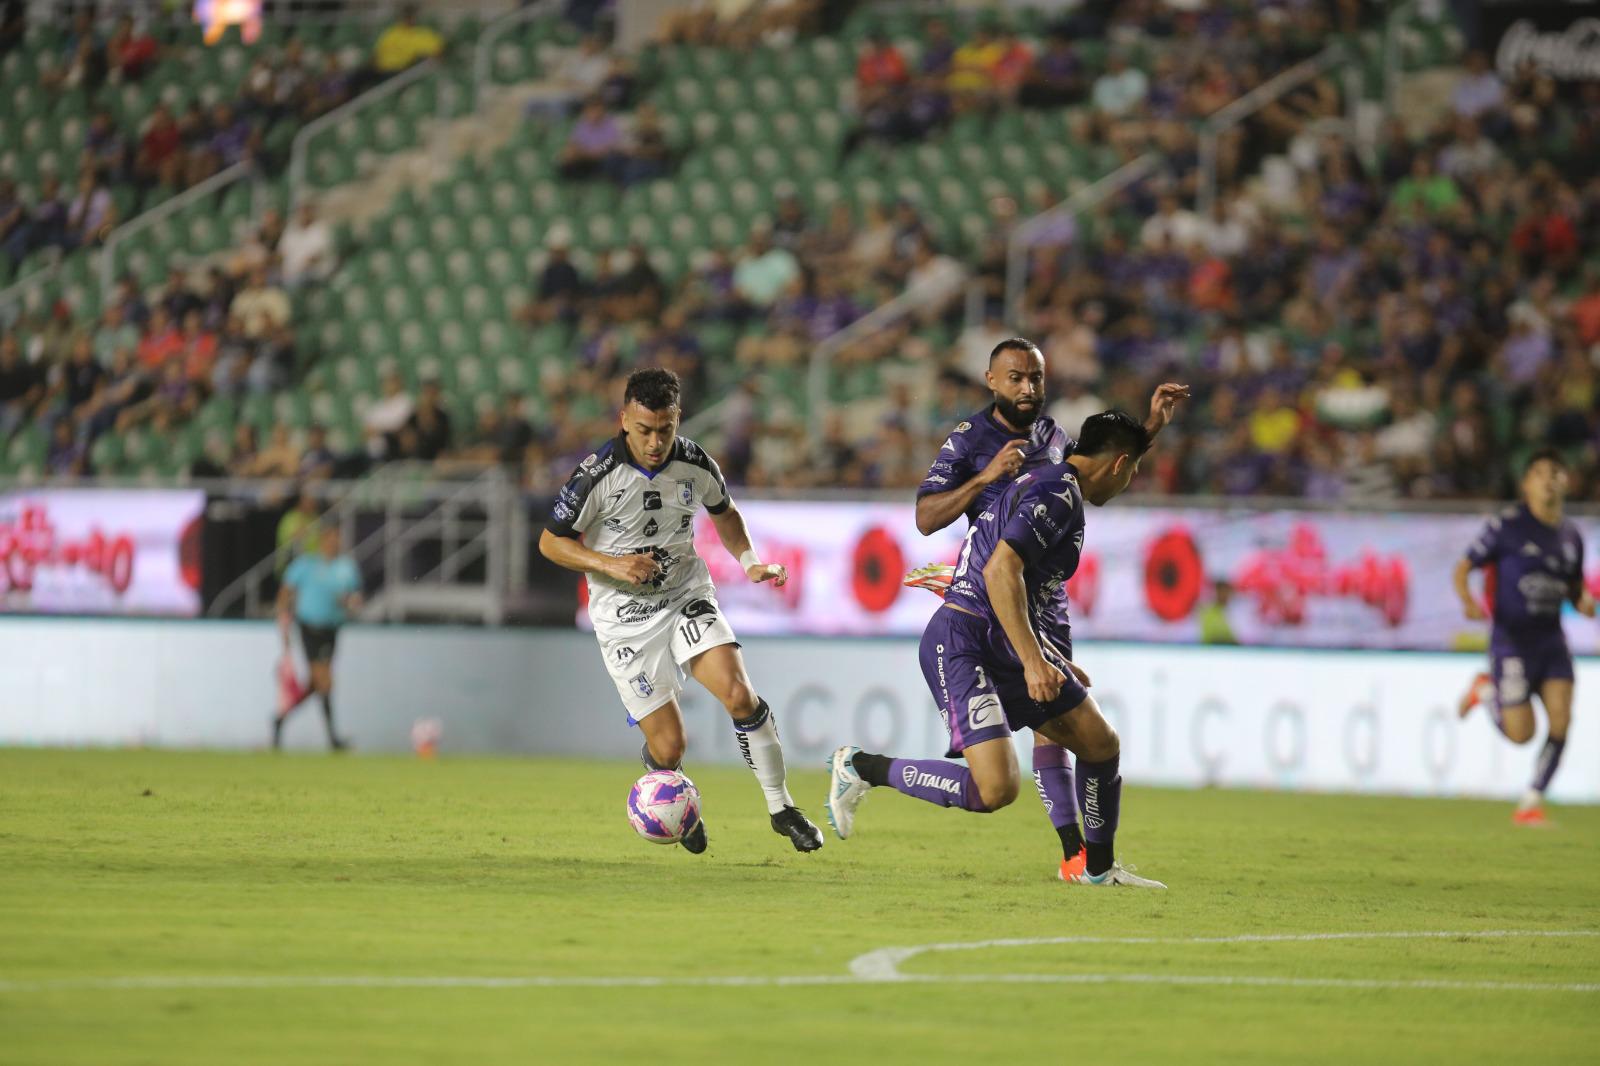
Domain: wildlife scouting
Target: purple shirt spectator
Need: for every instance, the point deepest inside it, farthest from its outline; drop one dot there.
(596, 136)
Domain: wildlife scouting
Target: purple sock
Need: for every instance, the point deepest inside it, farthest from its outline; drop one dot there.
(936, 781)
(1052, 776)
(1100, 798)
(1549, 759)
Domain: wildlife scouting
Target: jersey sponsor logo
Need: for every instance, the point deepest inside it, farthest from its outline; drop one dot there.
(564, 512)
(650, 528)
(987, 516)
(1056, 455)
(615, 525)
(637, 611)
(1530, 548)
(935, 479)
(683, 523)
(624, 654)
(1044, 796)
(915, 778)
(949, 445)
(962, 428)
(641, 684)
(686, 493)
(652, 500)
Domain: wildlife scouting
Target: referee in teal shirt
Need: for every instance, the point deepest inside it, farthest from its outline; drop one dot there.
(320, 591)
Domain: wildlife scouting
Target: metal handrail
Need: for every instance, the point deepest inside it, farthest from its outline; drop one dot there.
(160, 213)
(1085, 199)
(822, 355)
(299, 149)
(481, 59)
(1231, 114)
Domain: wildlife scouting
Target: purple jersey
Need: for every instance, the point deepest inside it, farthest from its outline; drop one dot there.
(1535, 568)
(979, 439)
(1041, 516)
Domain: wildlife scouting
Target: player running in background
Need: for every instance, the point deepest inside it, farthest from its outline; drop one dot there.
(320, 591)
(1534, 563)
(626, 520)
(982, 455)
(992, 668)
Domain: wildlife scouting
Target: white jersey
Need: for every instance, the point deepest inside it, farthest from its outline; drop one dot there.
(620, 509)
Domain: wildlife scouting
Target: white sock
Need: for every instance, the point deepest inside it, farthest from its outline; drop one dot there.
(758, 743)
(1531, 799)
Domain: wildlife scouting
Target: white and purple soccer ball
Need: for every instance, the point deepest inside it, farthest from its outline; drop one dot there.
(663, 805)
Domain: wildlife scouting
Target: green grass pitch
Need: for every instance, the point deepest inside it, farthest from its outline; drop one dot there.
(196, 867)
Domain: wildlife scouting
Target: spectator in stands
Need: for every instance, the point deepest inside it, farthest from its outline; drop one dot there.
(593, 145)
(198, 351)
(319, 459)
(130, 51)
(306, 248)
(104, 148)
(21, 387)
(13, 24)
(260, 306)
(280, 458)
(90, 215)
(559, 287)
(162, 342)
(160, 158)
(1478, 93)
(13, 212)
(66, 456)
(765, 270)
(385, 418)
(1171, 223)
(1121, 89)
(73, 382)
(935, 283)
(233, 139)
(115, 335)
(430, 422)
(881, 72)
(404, 43)
(45, 225)
(1056, 76)
(645, 154)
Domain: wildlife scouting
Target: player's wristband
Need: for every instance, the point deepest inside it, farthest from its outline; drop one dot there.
(749, 559)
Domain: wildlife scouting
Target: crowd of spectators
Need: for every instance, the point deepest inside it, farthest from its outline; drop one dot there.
(169, 149)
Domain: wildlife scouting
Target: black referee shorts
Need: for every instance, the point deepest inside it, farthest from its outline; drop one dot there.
(318, 641)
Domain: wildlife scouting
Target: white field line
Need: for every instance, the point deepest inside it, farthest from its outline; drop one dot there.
(875, 967)
(884, 963)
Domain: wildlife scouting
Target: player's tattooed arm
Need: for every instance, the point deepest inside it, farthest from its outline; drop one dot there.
(572, 553)
(938, 509)
(735, 537)
(1009, 595)
(1163, 405)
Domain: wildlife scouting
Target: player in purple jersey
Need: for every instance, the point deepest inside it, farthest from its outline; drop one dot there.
(990, 660)
(983, 455)
(1533, 558)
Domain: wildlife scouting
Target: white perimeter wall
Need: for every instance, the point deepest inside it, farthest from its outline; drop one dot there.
(1345, 721)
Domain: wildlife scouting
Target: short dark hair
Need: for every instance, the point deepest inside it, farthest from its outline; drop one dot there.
(652, 388)
(1552, 454)
(1112, 431)
(1014, 344)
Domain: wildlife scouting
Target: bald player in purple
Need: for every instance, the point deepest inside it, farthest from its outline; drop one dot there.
(989, 660)
(1533, 559)
(983, 455)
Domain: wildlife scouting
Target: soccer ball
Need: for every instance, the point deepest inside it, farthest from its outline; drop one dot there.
(663, 805)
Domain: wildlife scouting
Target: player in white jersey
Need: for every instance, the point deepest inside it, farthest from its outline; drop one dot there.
(626, 520)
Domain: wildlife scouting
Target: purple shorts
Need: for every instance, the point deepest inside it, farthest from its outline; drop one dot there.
(978, 683)
(1521, 663)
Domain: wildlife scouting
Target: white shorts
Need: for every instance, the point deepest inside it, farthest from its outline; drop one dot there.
(645, 658)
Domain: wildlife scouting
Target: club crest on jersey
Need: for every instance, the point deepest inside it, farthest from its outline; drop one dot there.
(588, 464)
(650, 528)
(652, 500)
(686, 493)
(641, 684)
